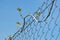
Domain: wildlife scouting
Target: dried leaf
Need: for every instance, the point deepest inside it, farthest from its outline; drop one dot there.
(19, 23)
(19, 9)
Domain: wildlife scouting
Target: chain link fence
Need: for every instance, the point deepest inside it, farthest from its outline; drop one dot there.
(47, 30)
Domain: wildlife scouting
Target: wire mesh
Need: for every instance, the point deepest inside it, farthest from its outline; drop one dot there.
(48, 30)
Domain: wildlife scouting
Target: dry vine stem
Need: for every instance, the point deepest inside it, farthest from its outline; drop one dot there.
(23, 27)
(40, 14)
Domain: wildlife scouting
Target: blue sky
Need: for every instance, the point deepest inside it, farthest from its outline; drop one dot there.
(9, 15)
